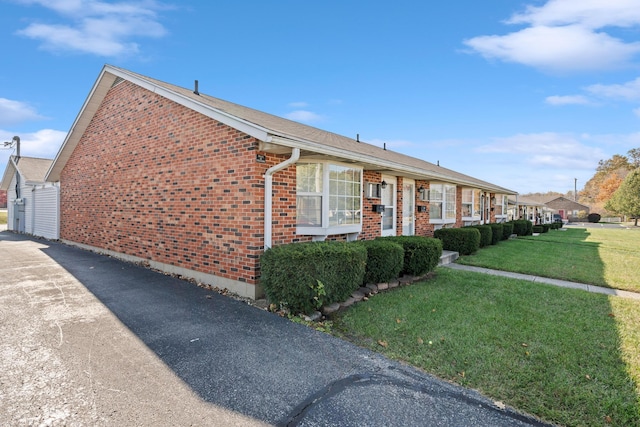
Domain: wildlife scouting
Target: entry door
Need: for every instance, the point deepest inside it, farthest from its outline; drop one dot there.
(408, 207)
(388, 198)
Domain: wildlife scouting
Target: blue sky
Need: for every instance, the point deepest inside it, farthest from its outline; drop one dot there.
(529, 94)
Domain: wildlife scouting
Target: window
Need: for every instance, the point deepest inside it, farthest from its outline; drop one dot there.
(501, 205)
(329, 198)
(344, 195)
(471, 203)
(309, 195)
(442, 203)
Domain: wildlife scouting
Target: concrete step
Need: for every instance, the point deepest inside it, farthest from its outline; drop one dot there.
(448, 257)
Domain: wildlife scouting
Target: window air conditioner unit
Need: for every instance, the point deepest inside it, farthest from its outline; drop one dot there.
(372, 190)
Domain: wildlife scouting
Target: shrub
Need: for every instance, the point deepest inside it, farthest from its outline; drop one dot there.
(522, 227)
(486, 234)
(594, 217)
(305, 276)
(538, 229)
(546, 228)
(384, 260)
(555, 225)
(421, 254)
(496, 233)
(507, 230)
(465, 240)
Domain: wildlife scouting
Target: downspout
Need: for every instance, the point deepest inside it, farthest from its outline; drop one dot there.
(268, 194)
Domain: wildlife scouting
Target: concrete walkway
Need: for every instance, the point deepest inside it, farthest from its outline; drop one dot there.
(554, 282)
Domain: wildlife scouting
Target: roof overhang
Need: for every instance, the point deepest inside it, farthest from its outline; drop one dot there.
(282, 144)
(9, 172)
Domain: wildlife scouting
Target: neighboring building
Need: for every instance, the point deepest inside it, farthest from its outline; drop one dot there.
(198, 186)
(531, 209)
(3, 199)
(566, 208)
(32, 203)
(558, 205)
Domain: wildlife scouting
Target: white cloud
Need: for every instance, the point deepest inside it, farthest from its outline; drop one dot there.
(298, 104)
(44, 143)
(12, 112)
(97, 27)
(629, 91)
(589, 13)
(566, 36)
(548, 149)
(304, 116)
(568, 100)
(637, 112)
(559, 49)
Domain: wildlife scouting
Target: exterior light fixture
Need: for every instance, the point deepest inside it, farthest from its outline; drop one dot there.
(383, 184)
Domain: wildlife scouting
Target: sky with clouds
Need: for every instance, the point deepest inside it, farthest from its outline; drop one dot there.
(528, 94)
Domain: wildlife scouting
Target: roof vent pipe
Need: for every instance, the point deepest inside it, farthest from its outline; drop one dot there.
(358, 137)
(195, 90)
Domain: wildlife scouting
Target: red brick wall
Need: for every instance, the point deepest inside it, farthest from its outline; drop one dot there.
(156, 180)
(423, 228)
(371, 221)
(3, 199)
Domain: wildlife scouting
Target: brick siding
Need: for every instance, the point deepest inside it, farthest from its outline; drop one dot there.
(156, 180)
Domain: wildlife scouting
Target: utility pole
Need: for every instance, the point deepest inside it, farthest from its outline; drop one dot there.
(575, 189)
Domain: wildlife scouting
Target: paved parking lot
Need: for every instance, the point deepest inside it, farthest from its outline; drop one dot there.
(90, 340)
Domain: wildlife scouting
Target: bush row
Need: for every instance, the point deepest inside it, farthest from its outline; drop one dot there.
(305, 276)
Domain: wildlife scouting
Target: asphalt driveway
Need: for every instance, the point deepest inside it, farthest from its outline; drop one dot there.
(91, 340)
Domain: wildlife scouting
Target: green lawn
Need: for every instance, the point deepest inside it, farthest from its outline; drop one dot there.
(598, 256)
(567, 356)
(3, 217)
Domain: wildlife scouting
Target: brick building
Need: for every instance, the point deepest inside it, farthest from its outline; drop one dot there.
(198, 186)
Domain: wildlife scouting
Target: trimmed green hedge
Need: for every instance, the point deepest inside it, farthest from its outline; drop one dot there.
(538, 229)
(421, 254)
(522, 227)
(507, 230)
(465, 241)
(305, 276)
(384, 260)
(497, 231)
(546, 228)
(486, 234)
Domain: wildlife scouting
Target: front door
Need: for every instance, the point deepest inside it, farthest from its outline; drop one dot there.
(388, 198)
(408, 207)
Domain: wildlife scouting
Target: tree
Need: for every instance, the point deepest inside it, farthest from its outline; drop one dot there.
(626, 199)
(608, 187)
(634, 157)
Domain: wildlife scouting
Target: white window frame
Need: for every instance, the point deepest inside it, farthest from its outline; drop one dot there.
(438, 194)
(502, 200)
(475, 202)
(325, 229)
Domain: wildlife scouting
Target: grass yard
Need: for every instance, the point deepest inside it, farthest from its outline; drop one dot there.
(607, 257)
(3, 217)
(564, 355)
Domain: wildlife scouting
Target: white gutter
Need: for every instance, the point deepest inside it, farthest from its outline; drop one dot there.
(268, 194)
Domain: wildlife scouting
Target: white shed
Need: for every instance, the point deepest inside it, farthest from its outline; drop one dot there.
(33, 205)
